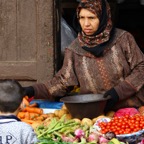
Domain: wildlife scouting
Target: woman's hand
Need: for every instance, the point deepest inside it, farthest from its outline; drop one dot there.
(29, 91)
(112, 101)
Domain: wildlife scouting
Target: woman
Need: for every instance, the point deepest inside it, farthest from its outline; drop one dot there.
(102, 59)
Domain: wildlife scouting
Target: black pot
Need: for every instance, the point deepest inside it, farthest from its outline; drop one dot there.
(85, 106)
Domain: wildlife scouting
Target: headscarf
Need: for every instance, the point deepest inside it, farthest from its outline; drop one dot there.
(96, 42)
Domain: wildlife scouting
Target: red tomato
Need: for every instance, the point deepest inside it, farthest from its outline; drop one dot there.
(124, 125)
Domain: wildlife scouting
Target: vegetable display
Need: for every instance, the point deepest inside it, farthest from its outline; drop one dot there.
(62, 130)
(70, 132)
(60, 127)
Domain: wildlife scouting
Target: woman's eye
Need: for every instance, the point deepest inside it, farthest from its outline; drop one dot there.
(81, 18)
(91, 18)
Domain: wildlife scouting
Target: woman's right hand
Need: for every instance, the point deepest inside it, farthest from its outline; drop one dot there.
(29, 91)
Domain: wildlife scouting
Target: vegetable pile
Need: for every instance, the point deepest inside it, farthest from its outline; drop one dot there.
(30, 113)
(62, 130)
(60, 127)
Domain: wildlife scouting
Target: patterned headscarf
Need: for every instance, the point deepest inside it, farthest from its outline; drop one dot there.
(95, 43)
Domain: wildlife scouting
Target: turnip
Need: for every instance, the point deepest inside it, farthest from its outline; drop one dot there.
(69, 139)
(93, 137)
(79, 133)
(142, 142)
(103, 140)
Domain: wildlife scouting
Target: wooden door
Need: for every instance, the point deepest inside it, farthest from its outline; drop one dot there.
(27, 40)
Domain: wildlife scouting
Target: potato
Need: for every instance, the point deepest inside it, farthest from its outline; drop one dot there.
(141, 110)
(68, 116)
(77, 120)
(56, 112)
(47, 121)
(36, 124)
(94, 120)
(87, 121)
(64, 107)
(62, 112)
(51, 115)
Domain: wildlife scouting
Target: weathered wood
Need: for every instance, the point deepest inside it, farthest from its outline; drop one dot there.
(26, 40)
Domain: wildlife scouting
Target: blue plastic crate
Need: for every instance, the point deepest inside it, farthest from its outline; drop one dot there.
(47, 104)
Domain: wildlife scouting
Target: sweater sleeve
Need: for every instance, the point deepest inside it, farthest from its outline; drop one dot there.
(57, 86)
(135, 58)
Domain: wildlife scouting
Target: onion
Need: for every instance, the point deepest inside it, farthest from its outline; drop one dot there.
(142, 142)
(93, 137)
(79, 133)
(69, 139)
(103, 139)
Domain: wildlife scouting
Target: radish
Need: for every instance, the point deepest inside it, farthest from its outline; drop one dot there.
(79, 133)
(69, 139)
(103, 140)
(93, 137)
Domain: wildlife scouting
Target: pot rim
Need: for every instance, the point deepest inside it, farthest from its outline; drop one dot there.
(82, 98)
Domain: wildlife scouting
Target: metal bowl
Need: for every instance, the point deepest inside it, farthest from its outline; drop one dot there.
(131, 138)
(85, 106)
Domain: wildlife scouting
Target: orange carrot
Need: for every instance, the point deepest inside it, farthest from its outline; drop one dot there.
(27, 115)
(44, 115)
(28, 121)
(25, 102)
(26, 97)
(33, 115)
(40, 118)
(33, 110)
(21, 115)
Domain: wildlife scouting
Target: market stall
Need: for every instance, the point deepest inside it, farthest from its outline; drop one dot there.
(53, 123)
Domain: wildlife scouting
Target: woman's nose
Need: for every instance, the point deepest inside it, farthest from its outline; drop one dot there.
(86, 22)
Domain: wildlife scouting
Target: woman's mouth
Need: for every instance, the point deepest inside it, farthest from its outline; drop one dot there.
(87, 31)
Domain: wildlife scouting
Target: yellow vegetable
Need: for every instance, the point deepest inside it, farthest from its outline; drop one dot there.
(77, 120)
(86, 121)
(115, 141)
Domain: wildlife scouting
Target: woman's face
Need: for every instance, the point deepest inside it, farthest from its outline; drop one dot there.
(89, 21)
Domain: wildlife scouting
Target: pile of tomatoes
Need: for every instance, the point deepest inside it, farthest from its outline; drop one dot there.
(123, 125)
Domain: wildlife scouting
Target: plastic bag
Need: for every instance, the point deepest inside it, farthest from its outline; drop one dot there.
(125, 111)
(47, 104)
(67, 34)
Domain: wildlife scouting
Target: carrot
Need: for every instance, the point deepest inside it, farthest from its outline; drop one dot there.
(25, 102)
(33, 110)
(33, 115)
(26, 97)
(28, 121)
(40, 118)
(44, 115)
(21, 115)
(27, 115)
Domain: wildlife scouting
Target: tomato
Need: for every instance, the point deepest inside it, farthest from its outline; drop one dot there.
(132, 121)
(136, 122)
(124, 125)
(127, 116)
(132, 127)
